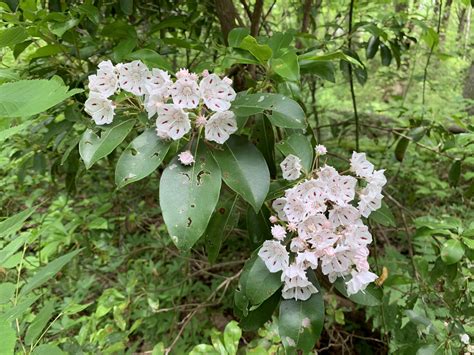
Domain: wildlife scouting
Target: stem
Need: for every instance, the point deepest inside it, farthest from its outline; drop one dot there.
(351, 80)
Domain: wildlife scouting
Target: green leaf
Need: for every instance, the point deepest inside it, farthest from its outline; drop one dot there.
(7, 133)
(385, 55)
(7, 290)
(300, 322)
(258, 225)
(12, 36)
(47, 349)
(452, 251)
(204, 349)
(299, 145)
(371, 296)
(93, 148)
(126, 6)
(7, 345)
(124, 48)
(236, 36)
(372, 47)
(279, 42)
(220, 226)
(39, 323)
(383, 216)
(321, 68)
(259, 316)
(15, 222)
(287, 66)
(285, 111)
(11, 248)
(151, 58)
(232, 334)
(244, 170)
(264, 138)
(401, 148)
(29, 97)
(454, 173)
(60, 28)
(47, 272)
(47, 51)
(312, 56)
(188, 196)
(260, 283)
(142, 156)
(260, 51)
(20, 308)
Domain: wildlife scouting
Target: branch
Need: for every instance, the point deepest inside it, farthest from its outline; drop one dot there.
(255, 19)
(351, 79)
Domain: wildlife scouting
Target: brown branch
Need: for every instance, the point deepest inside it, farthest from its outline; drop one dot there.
(305, 23)
(228, 16)
(255, 19)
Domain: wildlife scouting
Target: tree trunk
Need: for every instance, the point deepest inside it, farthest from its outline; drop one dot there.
(228, 16)
(468, 91)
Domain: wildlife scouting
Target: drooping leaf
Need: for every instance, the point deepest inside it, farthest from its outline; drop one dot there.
(301, 322)
(188, 197)
(401, 148)
(29, 97)
(244, 170)
(15, 222)
(454, 173)
(452, 251)
(321, 68)
(279, 42)
(372, 47)
(299, 145)
(142, 156)
(47, 272)
(39, 323)
(285, 111)
(92, 148)
(371, 296)
(385, 55)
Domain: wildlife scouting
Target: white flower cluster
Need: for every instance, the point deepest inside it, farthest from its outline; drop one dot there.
(321, 224)
(166, 98)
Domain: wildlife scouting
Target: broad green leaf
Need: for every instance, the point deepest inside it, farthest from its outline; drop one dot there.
(338, 55)
(7, 290)
(385, 55)
(93, 148)
(260, 51)
(261, 283)
(258, 225)
(264, 139)
(151, 58)
(232, 334)
(8, 335)
(280, 42)
(16, 311)
(371, 296)
(47, 349)
(299, 145)
(236, 36)
(142, 156)
(383, 216)
(60, 28)
(188, 196)
(124, 48)
(421, 321)
(15, 222)
(244, 170)
(322, 68)
(401, 148)
(452, 251)
(300, 322)
(39, 323)
(220, 226)
(12, 36)
(259, 316)
(454, 173)
(204, 349)
(372, 47)
(29, 97)
(47, 51)
(47, 272)
(287, 66)
(126, 6)
(285, 111)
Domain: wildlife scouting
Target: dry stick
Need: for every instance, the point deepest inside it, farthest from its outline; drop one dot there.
(351, 80)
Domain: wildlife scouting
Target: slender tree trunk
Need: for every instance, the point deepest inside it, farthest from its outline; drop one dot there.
(228, 16)
(468, 90)
(305, 23)
(256, 16)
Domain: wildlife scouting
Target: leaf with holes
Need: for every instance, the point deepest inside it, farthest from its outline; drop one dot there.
(286, 112)
(244, 170)
(301, 322)
(142, 156)
(188, 197)
(93, 148)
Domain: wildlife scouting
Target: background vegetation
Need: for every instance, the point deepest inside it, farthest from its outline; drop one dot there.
(102, 274)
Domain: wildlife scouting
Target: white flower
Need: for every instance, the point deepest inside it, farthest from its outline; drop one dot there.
(295, 209)
(105, 81)
(370, 200)
(312, 225)
(186, 158)
(291, 167)
(133, 77)
(278, 206)
(337, 263)
(357, 235)
(152, 102)
(185, 92)
(274, 255)
(320, 149)
(201, 121)
(278, 232)
(184, 73)
(217, 93)
(361, 166)
(464, 338)
(308, 259)
(297, 285)
(343, 215)
(297, 245)
(377, 178)
(359, 281)
(100, 108)
(220, 126)
(158, 82)
(172, 121)
(341, 189)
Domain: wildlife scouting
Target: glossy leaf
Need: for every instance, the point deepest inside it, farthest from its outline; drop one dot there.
(372, 47)
(286, 112)
(236, 36)
(142, 156)
(244, 170)
(299, 145)
(385, 55)
(401, 148)
(371, 296)
(188, 197)
(92, 148)
(321, 68)
(287, 66)
(258, 226)
(11, 36)
(452, 251)
(279, 42)
(301, 322)
(29, 97)
(261, 283)
(260, 51)
(259, 316)
(264, 138)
